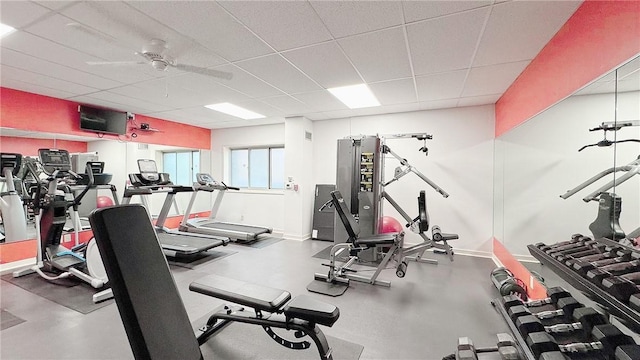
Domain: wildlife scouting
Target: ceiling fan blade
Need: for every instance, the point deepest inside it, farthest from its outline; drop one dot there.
(204, 71)
(116, 63)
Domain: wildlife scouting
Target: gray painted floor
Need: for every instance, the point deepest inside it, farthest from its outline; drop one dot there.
(420, 317)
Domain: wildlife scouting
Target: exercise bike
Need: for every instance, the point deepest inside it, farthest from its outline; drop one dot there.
(54, 261)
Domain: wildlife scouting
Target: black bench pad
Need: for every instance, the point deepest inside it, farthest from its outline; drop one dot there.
(310, 309)
(380, 239)
(256, 296)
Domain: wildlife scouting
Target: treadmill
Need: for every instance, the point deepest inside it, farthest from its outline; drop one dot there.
(175, 243)
(237, 232)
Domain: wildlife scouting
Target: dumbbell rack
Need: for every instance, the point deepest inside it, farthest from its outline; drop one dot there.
(629, 316)
(522, 344)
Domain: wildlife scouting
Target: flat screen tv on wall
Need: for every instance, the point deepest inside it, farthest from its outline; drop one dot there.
(103, 120)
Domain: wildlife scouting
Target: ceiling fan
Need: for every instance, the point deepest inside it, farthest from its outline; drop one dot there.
(156, 54)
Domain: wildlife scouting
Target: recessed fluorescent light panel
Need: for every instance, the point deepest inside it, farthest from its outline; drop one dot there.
(235, 110)
(355, 96)
(5, 30)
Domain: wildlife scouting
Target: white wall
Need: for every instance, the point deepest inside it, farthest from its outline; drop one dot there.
(460, 161)
(260, 208)
(539, 161)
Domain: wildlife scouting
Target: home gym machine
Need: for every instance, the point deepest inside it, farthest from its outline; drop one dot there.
(12, 210)
(174, 242)
(54, 261)
(358, 202)
(153, 314)
(211, 226)
(607, 222)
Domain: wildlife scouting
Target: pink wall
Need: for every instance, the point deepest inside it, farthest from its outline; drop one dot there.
(26, 111)
(598, 37)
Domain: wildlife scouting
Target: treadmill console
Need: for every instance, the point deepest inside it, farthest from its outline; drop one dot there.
(55, 160)
(11, 161)
(206, 179)
(148, 170)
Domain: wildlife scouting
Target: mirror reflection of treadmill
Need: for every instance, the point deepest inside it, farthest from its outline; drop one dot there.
(237, 232)
(175, 243)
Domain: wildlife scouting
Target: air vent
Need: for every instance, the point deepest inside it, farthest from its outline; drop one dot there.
(143, 146)
(307, 135)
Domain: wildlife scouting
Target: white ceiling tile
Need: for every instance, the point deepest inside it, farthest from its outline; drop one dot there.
(438, 104)
(8, 72)
(55, 5)
(207, 23)
(420, 10)
(394, 92)
(89, 100)
(47, 50)
(277, 71)
(55, 28)
(338, 114)
(518, 30)
(207, 86)
(440, 86)
(492, 79)
(246, 83)
(283, 24)
(160, 92)
(446, 43)
(479, 100)
(344, 18)
(400, 108)
(261, 108)
(321, 101)
(116, 97)
(20, 13)
(289, 105)
(316, 116)
(27, 62)
(391, 60)
(326, 64)
(35, 89)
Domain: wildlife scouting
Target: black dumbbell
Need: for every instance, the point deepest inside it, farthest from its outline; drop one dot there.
(564, 306)
(585, 319)
(572, 250)
(597, 275)
(594, 249)
(609, 253)
(607, 338)
(554, 294)
(623, 256)
(579, 245)
(575, 238)
(623, 286)
(627, 352)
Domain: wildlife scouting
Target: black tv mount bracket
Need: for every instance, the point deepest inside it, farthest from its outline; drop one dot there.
(612, 126)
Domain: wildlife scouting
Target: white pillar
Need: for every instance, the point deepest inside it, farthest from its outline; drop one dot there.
(298, 166)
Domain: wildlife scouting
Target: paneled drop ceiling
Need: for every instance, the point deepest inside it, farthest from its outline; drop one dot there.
(283, 54)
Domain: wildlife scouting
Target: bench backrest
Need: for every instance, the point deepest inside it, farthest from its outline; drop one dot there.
(150, 306)
(422, 212)
(349, 222)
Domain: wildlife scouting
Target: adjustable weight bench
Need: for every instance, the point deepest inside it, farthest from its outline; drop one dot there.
(152, 310)
(391, 244)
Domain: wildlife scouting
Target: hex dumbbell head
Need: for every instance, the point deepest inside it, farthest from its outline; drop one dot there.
(619, 288)
(627, 352)
(610, 337)
(541, 342)
(588, 317)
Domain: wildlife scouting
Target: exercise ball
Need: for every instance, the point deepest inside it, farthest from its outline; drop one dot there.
(103, 201)
(389, 224)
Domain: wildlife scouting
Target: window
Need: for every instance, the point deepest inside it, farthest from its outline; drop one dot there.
(181, 166)
(257, 168)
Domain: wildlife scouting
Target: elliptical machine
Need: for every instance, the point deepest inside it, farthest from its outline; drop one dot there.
(11, 207)
(55, 261)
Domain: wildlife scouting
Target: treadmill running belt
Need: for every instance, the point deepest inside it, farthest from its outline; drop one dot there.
(238, 228)
(186, 244)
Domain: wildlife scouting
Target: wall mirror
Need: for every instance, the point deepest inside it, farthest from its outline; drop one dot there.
(120, 158)
(561, 148)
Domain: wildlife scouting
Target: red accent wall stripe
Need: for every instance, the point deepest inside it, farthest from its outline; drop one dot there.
(30, 146)
(26, 111)
(535, 289)
(598, 37)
